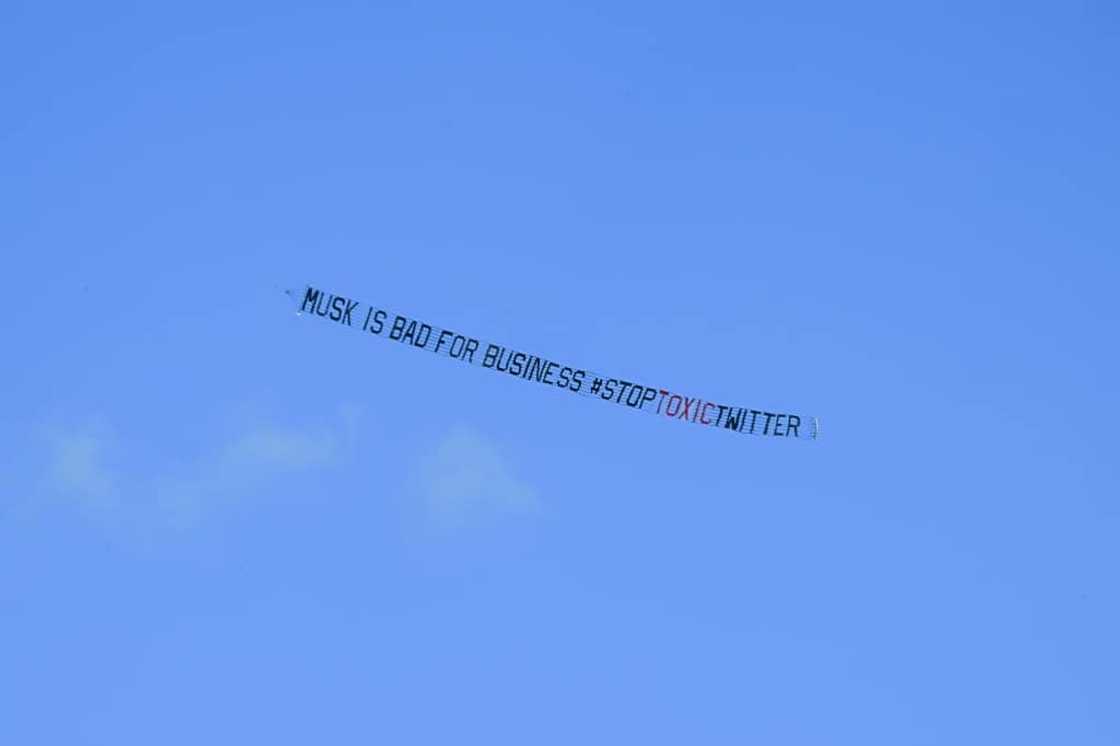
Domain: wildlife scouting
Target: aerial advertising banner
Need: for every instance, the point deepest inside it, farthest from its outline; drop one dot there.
(394, 327)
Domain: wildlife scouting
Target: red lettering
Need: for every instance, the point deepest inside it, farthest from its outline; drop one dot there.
(687, 403)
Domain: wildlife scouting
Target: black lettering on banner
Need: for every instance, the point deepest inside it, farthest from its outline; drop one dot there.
(378, 319)
(311, 297)
(794, 423)
(470, 349)
(416, 334)
(533, 369)
(350, 306)
(631, 399)
(464, 348)
(398, 328)
(458, 345)
(439, 340)
(337, 305)
(777, 424)
(409, 335)
(341, 309)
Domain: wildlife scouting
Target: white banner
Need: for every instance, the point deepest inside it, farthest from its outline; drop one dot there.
(656, 400)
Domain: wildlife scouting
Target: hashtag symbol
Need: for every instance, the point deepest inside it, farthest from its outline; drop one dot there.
(596, 385)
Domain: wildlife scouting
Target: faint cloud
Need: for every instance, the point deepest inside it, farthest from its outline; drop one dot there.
(125, 492)
(246, 465)
(78, 467)
(281, 449)
(468, 477)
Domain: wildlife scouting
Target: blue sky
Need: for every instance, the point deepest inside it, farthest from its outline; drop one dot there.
(222, 522)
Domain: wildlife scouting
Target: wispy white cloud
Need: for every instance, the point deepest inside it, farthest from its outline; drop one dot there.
(78, 465)
(467, 477)
(245, 465)
(282, 448)
(147, 495)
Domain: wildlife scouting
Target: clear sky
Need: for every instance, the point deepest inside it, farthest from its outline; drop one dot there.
(224, 523)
